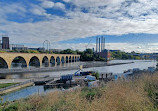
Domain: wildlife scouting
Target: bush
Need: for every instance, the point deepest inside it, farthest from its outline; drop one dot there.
(96, 74)
(33, 51)
(138, 94)
(91, 93)
(2, 51)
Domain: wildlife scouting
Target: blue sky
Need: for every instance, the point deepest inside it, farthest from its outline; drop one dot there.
(128, 25)
(125, 38)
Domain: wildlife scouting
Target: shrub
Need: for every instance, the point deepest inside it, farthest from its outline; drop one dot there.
(138, 94)
(91, 93)
(96, 74)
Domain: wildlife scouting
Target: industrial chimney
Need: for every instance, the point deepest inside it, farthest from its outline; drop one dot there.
(96, 44)
(99, 44)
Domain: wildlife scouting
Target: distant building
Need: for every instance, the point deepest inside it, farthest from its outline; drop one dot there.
(20, 48)
(41, 49)
(38, 49)
(105, 54)
(17, 47)
(5, 42)
(56, 50)
(114, 50)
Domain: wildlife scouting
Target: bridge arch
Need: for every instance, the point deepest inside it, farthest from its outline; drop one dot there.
(73, 59)
(58, 60)
(3, 63)
(18, 62)
(52, 61)
(34, 62)
(78, 59)
(70, 59)
(67, 59)
(62, 59)
(45, 61)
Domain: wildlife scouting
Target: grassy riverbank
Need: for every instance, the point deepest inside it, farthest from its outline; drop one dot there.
(3, 85)
(140, 94)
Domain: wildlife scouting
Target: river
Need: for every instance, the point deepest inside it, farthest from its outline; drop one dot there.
(115, 69)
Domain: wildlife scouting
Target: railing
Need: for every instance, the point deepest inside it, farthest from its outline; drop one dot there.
(9, 87)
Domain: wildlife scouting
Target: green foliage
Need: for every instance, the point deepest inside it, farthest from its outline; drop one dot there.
(89, 51)
(139, 94)
(152, 90)
(91, 93)
(11, 107)
(87, 55)
(63, 105)
(58, 105)
(2, 51)
(68, 51)
(33, 51)
(98, 58)
(137, 57)
(124, 55)
(3, 85)
(15, 51)
(25, 51)
(96, 74)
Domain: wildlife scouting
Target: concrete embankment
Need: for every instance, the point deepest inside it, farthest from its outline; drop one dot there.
(59, 68)
(15, 87)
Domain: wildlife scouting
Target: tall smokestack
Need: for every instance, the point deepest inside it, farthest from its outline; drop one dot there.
(99, 44)
(104, 42)
(96, 44)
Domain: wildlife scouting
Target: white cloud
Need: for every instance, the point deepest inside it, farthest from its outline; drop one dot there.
(16, 8)
(127, 47)
(59, 5)
(94, 3)
(64, 29)
(114, 17)
(47, 4)
(66, 0)
(38, 10)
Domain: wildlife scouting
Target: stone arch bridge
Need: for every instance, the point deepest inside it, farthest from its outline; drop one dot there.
(26, 60)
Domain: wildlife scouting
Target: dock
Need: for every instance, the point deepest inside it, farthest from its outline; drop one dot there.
(55, 84)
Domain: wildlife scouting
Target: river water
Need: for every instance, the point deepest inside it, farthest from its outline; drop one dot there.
(115, 69)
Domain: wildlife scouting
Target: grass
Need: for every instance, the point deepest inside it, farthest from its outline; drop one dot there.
(3, 85)
(139, 94)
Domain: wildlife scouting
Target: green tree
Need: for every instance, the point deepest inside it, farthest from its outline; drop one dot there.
(68, 51)
(89, 51)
